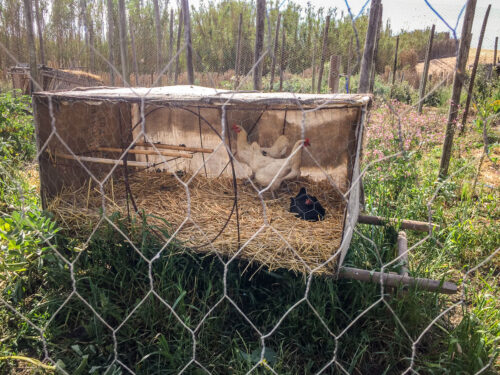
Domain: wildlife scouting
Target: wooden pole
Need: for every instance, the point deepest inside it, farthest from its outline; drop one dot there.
(395, 65)
(425, 72)
(474, 69)
(334, 76)
(495, 61)
(420, 226)
(367, 59)
(187, 38)
(145, 152)
(313, 66)
(283, 56)
(273, 63)
(238, 52)
(259, 43)
(394, 280)
(134, 51)
(323, 52)
(458, 81)
(102, 160)
(156, 8)
(28, 16)
(348, 67)
(179, 31)
(173, 147)
(111, 42)
(171, 44)
(403, 253)
(40, 31)
(122, 26)
(375, 52)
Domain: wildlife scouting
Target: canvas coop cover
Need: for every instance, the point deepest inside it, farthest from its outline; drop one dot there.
(172, 154)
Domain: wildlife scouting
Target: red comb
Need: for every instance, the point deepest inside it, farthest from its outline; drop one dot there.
(306, 142)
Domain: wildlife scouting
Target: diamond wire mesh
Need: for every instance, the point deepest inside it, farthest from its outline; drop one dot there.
(193, 329)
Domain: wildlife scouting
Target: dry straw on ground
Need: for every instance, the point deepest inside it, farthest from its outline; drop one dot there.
(283, 242)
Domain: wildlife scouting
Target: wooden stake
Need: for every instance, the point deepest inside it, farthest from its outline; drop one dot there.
(259, 43)
(145, 152)
(172, 147)
(403, 253)
(375, 51)
(273, 63)
(282, 58)
(334, 76)
(323, 52)
(367, 59)
(495, 61)
(187, 39)
(348, 67)
(179, 30)
(111, 41)
(474, 69)
(238, 53)
(425, 73)
(171, 43)
(122, 28)
(134, 51)
(458, 81)
(28, 16)
(395, 65)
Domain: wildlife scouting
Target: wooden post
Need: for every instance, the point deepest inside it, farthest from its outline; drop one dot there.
(333, 78)
(259, 43)
(313, 67)
(238, 53)
(458, 81)
(179, 31)
(111, 42)
(403, 253)
(348, 67)
(28, 16)
(375, 52)
(187, 39)
(122, 28)
(474, 69)
(156, 8)
(40, 31)
(282, 58)
(495, 52)
(134, 51)
(273, 63)
(423, 80)
(323, 52)
(395, 65)
(367, 59)
(171, 43)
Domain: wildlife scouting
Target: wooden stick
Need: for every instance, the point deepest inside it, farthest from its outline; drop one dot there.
(172, 147)
(276, 42)
(392, 280)
(323, 52)
(405, 224)
(238, 53)
(102, 160)
(367, 59)
(395, 65)
(403, 253)
(259, 43)
(145, 152)
(425, 72)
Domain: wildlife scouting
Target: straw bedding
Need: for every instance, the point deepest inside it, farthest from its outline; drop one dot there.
(268, 233)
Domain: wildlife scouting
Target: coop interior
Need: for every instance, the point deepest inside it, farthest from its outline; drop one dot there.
(178, 173)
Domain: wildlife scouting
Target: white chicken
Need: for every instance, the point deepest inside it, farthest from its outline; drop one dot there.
(266, 169)
(278, 149)
(245, 151)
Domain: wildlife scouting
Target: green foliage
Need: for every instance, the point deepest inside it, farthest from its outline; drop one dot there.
(402, 92)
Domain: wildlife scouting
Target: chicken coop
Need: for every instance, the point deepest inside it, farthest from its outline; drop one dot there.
(176, 156)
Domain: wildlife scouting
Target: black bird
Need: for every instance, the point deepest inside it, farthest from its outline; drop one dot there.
(306, 207)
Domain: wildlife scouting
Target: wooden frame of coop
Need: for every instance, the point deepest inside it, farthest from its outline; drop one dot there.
(170, 153)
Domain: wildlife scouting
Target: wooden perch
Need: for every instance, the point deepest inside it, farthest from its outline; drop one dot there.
(405, 224)
(394, 280)
(172, 147)
(146, 152)
(131, 163)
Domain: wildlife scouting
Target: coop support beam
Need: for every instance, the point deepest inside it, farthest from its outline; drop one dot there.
(420, 226)
(172, 147)
(146, 152)
(393, 280)
(140, 164)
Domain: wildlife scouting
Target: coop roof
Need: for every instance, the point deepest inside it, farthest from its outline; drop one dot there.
(196, 95)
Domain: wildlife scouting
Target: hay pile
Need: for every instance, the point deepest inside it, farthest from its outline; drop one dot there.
(160, 195)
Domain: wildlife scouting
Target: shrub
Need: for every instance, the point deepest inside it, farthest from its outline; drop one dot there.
(402, 92)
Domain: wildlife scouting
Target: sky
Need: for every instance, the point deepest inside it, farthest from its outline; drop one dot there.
(416, 14)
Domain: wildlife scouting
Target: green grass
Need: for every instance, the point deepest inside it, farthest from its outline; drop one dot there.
(111, 275)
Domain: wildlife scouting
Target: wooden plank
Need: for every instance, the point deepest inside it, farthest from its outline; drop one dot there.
(367, 59)
(393, 280)
(458, 81)
(141, 164)
(420, 226)
(172, 147)
(425, 72)
(323, 52)
(146, 152)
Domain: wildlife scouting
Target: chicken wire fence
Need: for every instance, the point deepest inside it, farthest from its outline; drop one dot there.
(151, 264)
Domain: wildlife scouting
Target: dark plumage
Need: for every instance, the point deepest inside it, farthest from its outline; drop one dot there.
(306, 207)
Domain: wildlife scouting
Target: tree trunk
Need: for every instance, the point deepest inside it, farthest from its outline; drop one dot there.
(273, 63)
(187, 38)
(474, 69)
(179, 30)
(122, 25)
(38, 16)
(425, 73)
(28, 17)
(367, 59)
(323, 52)
(259, 44)
(333, 78)
(134, 51)
(458, 81)
(110, 42)
(375, 52)
(158, 36)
